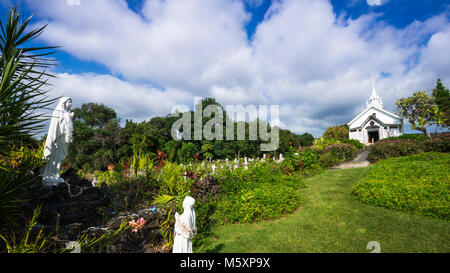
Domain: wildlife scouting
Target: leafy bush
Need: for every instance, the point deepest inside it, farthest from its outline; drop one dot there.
(439, 143)
(358, 145)
(322, 142)
(18, 173)
(333, 154)
(408, 136)
(261, 192)
(402, 147)
(109, 177)
(336, 133)
(418, 184)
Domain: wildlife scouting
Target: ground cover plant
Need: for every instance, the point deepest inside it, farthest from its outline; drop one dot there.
(418, 184)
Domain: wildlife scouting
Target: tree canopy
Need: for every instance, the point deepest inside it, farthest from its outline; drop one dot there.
(421, 110)
(99, 140)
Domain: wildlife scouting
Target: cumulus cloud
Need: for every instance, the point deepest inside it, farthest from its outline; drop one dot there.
(130, 101)
(317, 67)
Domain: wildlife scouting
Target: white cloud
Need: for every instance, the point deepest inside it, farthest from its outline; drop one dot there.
(319, 68)
(73, 2)
(374, 2)
(136, 101)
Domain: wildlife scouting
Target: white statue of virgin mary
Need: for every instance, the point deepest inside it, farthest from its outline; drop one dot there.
(58, 138)
(185, 228)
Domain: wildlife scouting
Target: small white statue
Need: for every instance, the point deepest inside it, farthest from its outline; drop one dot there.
(58, 138)
(185, 228)
(213, 168)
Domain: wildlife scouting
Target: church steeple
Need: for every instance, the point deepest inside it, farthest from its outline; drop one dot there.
(374, 99)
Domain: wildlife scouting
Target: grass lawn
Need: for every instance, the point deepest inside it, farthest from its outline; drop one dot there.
(332, 220)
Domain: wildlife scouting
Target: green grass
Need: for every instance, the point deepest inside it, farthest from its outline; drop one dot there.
(332, 220)
(418, 184)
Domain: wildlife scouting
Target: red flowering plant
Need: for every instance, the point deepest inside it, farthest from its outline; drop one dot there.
(161, 157)
(137, 225)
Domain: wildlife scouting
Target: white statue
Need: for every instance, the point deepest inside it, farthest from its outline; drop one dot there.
(185, 228)
(58, 138)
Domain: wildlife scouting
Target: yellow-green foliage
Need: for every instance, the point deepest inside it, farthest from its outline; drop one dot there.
(418, 184)
(109, 177)
(171, 179)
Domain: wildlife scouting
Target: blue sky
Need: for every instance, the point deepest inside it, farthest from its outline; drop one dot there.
(315, 58)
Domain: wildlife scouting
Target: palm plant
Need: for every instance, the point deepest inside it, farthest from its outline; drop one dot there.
(22, 79)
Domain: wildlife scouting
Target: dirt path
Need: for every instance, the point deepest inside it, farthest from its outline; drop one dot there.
(357, 162)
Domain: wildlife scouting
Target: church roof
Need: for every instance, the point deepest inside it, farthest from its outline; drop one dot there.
(373, 108)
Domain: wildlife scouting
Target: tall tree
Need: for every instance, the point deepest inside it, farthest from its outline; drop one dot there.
(417, 110)
(441, 97)
(98, 138)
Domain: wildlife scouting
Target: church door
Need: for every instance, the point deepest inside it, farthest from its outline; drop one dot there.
(373, 136)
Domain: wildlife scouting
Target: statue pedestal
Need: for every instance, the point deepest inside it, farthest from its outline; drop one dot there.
(52, 180)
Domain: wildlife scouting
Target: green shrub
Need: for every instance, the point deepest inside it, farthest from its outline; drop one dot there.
(358, 145)
(18, 175)
(418, 184)
(439, 143)
(109, 177)
(333, 154)
(322, 142)
(403, 147)
(393, 148)
(261, 192)
(419, 137)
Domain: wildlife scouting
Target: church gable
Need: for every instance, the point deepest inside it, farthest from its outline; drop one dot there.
(380, 115)
(374, 123)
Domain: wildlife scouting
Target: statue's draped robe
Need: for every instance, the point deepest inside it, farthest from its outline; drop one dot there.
(185, 228)
(56, 145)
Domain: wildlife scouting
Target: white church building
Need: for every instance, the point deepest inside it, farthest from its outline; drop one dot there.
(374, 123)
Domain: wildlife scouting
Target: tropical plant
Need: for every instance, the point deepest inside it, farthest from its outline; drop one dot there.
(167, 204)
(207, 149)
(98, 244)
(23, 76)
(22, 98)
(16, 178)
(26, 244)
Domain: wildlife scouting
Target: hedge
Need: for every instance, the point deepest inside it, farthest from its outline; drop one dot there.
(403, 147)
